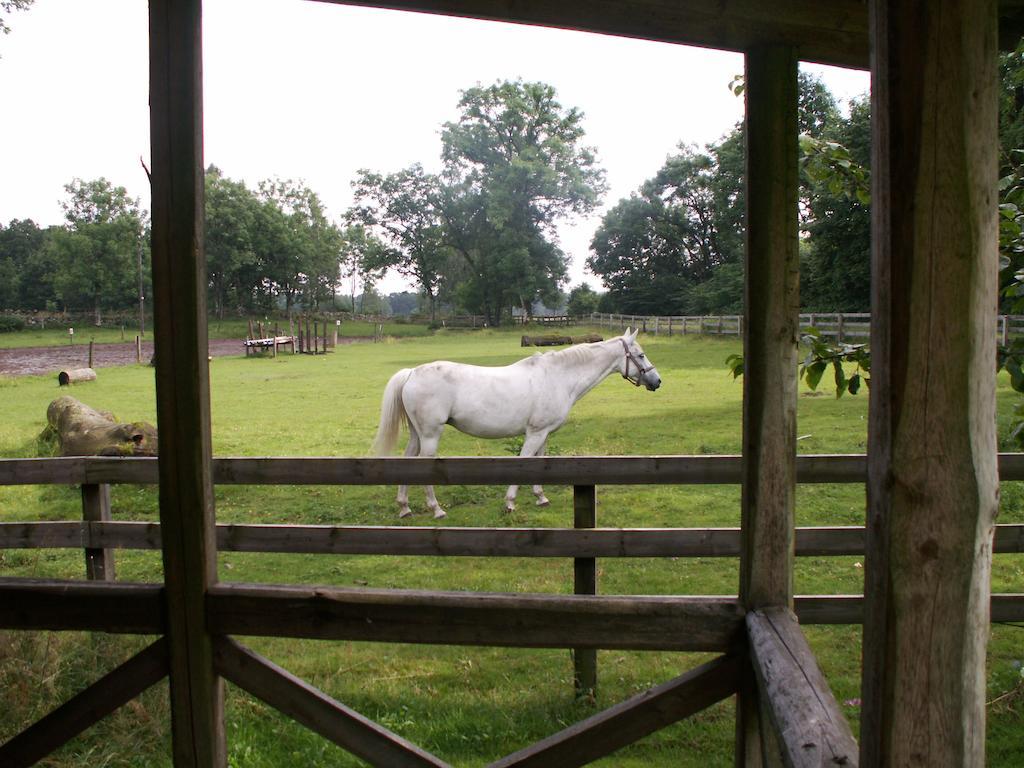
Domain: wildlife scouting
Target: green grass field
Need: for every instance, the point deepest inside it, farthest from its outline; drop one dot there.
(470, 706)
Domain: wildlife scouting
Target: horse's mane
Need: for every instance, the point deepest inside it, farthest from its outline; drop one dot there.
(578, 353)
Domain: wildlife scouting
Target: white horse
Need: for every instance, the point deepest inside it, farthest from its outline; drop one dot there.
(531, 397)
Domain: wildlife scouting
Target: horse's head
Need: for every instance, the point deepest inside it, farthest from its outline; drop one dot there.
(634, 366)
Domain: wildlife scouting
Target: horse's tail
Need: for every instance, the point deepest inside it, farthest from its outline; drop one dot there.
(392, 414)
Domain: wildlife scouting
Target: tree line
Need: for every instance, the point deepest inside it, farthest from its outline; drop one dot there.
(480, 236)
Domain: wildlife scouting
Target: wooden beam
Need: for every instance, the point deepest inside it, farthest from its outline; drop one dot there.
(933, 481)
(315, 710)
(99, 561)
(564, 470)
(829, 31)
(770, 348)
(71, 718)
(182, 377)
(633, 719)
(77, 605)
(808, 723)
(455, 541)
(584, 499)
(475, 618)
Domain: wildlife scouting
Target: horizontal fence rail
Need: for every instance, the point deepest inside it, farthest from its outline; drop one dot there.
(475, 470)
(453, 541)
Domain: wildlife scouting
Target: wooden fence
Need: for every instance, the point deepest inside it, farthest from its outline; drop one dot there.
(854, 327)
(584, 621)
(98, 535)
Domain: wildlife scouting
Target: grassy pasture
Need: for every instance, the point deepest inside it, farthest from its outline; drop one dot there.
(468, 705)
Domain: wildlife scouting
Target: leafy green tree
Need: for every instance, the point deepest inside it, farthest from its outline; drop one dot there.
(836, 264)
(21, 284)
(11, 5)
(514, 166)
(582, 300)
(304, 266)
(403, 210)
(96, 251)
(231, 214)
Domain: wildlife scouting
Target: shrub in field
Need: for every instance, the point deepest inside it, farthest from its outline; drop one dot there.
(11, 324)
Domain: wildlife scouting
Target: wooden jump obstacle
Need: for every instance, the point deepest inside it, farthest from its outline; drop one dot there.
(257, 340)
(312, 335)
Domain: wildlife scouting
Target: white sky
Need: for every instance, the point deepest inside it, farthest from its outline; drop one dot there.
(314, 91)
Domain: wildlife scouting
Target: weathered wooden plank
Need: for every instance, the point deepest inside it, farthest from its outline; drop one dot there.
(810, 727)
(770, 348)
(455, 541)
(457, 618)
(932, 502)
(99, 561)
(315, 710)
(71, 718)
(601, 470)
(182, 377)
(632, 719)
(105, 606)
(830, 32)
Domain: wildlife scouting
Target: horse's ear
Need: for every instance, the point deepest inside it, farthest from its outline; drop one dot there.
(632, 336)
(627, 333)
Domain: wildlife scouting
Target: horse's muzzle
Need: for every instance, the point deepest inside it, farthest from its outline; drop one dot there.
(652, 385)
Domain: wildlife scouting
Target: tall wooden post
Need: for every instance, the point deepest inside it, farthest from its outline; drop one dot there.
(932, 475)
(770, 350)
(99, 563)
(182, 379)
(585, 583)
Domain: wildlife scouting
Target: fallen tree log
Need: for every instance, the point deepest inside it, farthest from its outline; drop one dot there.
(84, 431)
(75, 375)
(555, 340)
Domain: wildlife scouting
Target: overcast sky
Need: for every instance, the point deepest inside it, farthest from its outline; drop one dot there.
(315, 91)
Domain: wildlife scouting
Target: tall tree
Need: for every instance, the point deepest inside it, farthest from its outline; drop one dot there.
(97, 249)
(20, 243)
(835, 273)
(11, 5)
(307, 267)
(515, 165)
(403, 210)
(231, 214)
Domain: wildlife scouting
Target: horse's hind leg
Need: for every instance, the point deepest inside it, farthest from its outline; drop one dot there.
(533, 445)
(412, 449)
(428, 447)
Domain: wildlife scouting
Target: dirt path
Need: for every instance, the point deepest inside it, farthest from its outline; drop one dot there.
(38, 360)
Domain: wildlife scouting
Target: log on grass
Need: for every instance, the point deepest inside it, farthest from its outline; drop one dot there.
(75, 375)
(555, 340)
(84, 431)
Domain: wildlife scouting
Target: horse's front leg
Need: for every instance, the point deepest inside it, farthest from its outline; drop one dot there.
(542, 500)
(533, 445)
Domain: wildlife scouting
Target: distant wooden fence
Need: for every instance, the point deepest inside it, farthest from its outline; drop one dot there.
(545, 320)
(840, 326)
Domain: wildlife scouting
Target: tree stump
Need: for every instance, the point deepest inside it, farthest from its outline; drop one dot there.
(84, 431)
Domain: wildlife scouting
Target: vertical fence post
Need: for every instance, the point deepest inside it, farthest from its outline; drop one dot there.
(99, 563)
(1005, 324)
(585, 583)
